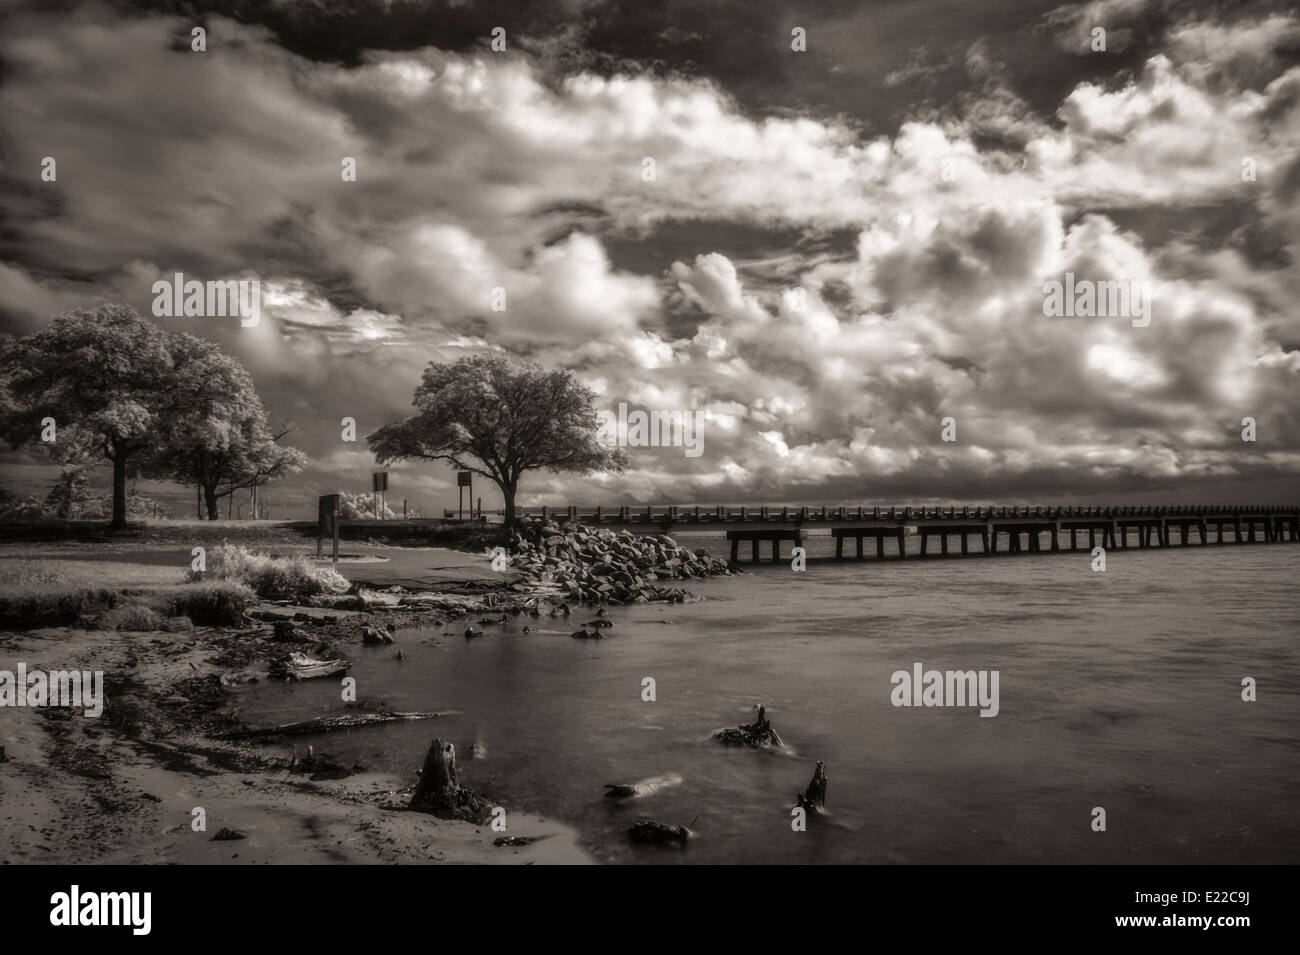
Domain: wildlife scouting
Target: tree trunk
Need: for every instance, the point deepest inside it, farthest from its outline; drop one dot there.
(119, 491)
(210, 501)
(439, 792)
(508, 492)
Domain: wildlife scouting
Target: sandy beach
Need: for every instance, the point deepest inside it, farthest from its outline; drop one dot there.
(123, 788)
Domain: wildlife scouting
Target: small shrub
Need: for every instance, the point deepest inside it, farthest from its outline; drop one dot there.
(130, 617)
(211, 604)
(270, 576)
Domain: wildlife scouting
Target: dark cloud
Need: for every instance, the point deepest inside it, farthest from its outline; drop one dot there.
(839, 248)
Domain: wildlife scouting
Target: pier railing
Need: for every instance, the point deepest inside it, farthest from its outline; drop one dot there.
(720, 514)
(1062, 525)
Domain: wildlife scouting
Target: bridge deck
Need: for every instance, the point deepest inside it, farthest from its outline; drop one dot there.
(1116, 523)
(827, 515)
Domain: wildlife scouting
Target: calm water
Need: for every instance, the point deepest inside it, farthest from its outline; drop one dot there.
(1118, 689)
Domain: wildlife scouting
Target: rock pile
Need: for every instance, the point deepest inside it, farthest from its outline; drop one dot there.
(602, 565)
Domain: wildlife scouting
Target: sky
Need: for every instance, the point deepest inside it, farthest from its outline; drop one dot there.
(841, 247)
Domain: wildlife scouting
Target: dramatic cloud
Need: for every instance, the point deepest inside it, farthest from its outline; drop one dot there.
(823, 294)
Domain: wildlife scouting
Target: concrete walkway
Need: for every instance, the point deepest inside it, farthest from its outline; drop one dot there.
(425, 568)
(415, 568)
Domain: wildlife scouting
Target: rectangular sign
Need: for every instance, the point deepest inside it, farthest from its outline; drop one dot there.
(462, 478)
(379, 481)
(327, 515)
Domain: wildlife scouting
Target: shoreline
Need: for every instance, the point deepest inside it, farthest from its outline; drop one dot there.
(123, 788)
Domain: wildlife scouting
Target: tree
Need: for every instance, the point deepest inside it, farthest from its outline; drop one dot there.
(104, 375)
(509, 418)
(71, 496)
(216, 436)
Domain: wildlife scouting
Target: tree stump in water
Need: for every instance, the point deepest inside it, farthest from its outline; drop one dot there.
(813, 798)
(649, 832)
(438, 791)
(758, 733)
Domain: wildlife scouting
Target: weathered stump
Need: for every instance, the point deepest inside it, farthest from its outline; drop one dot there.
(286, 632)
(757, 734)
(649, 832)
(813, 798)
(438, 791)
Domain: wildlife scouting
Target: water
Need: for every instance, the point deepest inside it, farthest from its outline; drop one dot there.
(1119, 689)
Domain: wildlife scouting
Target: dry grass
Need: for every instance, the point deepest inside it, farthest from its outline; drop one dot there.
(24, 575)
(112, 595)
(269, 576)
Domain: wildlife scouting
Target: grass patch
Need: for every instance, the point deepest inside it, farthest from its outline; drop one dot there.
(112, 595)
(288, 577)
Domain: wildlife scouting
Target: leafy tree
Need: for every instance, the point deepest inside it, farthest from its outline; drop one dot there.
(498, 419)
(217, 437)
(67, 499)
(105, 375)
(149, 401)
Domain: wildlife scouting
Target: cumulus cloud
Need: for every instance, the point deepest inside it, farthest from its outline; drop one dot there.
(919, 258)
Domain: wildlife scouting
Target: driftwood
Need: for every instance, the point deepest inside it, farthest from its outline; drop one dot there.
(757, 734)
(649, 832)
(438, 791)
(517, 840)
(324, 724)
(645, 787)
(299, 666)
(813, 798)
(321, 767)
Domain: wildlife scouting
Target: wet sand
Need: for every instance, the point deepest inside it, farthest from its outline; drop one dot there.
(122, 788)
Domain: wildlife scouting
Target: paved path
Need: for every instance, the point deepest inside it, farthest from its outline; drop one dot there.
(415, 568)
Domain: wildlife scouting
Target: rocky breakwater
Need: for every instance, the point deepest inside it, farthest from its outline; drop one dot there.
(605, 566)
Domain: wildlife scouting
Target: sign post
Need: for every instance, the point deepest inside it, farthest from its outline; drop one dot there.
(378, 486)
(327, 523)
(463, 479)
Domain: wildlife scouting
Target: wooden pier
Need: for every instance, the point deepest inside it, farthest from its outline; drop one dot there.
(985, 528)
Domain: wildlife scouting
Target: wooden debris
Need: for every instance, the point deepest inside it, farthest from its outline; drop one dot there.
(438, 791)
(286, 632)
(813, 798)
(649, 832)
(517, 840)
(324, 724)
(758, 734)
(321, 767)
(299, 666)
